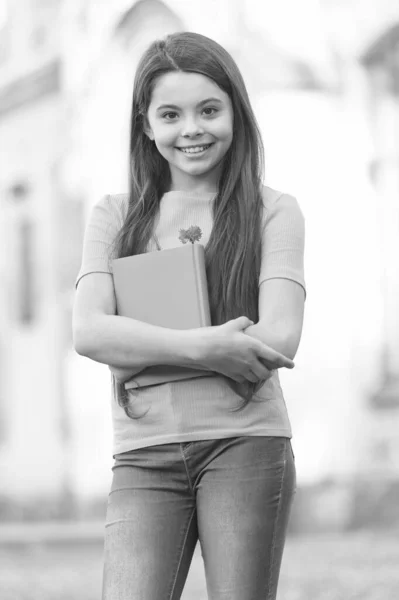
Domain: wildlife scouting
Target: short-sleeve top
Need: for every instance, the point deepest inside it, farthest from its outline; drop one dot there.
(199, 408)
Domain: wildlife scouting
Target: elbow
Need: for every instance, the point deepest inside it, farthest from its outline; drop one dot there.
(288, 343)
(290, 346)
(79, 344)
(279, 338)
(81, 341)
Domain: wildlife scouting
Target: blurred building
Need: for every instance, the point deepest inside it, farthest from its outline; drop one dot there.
(34, 254)
(319, 89)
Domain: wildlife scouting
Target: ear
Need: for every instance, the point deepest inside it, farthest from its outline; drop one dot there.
(147, 129)
(149, 133)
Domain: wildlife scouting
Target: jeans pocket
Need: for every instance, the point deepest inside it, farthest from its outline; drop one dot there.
(292, 451)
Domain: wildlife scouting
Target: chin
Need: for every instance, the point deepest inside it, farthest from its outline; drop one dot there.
(197, 172)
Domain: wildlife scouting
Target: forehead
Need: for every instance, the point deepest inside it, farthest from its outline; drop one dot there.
(182, 88)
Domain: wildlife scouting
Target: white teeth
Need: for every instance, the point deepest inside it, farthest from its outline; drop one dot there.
(195, 149)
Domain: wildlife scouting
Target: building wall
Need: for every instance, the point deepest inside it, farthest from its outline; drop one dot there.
(31, 444)
(335, 366)
(70, 147)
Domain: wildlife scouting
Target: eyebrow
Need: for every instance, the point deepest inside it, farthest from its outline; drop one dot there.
(163, 106)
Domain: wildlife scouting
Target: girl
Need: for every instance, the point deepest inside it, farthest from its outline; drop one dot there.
(192, 461)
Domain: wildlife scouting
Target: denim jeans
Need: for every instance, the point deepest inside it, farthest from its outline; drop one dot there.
(234, 495)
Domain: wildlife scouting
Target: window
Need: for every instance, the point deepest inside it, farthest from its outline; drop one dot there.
(25, 292)
(4, 31)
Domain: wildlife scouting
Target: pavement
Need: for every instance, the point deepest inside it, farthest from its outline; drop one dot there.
(50, 532)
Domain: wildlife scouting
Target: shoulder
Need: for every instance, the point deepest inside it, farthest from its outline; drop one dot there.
(270, 195)
(278, 202)
(115, 202)
(111, 208)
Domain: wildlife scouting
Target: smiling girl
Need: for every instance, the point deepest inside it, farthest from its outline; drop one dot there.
(190, 120)
(197, 463)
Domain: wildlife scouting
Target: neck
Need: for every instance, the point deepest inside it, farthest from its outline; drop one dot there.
(182, 182)
(193, 190)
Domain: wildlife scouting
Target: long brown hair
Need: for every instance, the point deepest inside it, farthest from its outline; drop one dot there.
(233, 252)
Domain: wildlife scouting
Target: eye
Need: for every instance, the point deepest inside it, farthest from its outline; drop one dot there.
(211, 110)
(169, 116)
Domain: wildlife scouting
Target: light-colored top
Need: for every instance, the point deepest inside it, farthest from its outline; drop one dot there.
(198, 409)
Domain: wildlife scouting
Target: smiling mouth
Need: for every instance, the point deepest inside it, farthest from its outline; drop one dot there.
(195, 149)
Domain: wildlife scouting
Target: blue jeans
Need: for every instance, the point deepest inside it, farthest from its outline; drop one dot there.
(232, 494)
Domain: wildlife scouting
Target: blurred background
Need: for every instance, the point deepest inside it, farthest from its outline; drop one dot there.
(323, 77)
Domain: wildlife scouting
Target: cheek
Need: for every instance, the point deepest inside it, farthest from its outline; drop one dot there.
(164, 136)
(224, 130)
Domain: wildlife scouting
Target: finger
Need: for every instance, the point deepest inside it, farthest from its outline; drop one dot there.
(260, 370)
(241, 322)
(279, 360)
(237, 378)
(284, 362)
(272, 356)
(270, 365)
(251, 376)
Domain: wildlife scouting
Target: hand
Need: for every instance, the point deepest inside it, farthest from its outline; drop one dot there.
(270, 366)
(253, 331)
(226, 349)
(269, 372)
(123, 374)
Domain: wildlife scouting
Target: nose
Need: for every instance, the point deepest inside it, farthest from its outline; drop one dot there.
(192, 128)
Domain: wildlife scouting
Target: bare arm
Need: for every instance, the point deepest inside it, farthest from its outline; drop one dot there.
(282, 285)
(271, 336)
(105, 337)
(274, 336)
(281, 315)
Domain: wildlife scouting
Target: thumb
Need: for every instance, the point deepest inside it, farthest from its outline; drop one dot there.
(241, 322)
